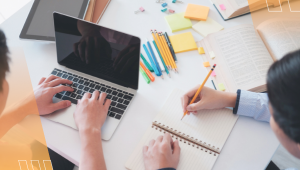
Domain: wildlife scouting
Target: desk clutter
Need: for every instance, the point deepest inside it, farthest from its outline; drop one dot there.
(160, 52)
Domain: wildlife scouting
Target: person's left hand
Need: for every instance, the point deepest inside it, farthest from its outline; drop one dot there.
(45, 91)
(161, 153)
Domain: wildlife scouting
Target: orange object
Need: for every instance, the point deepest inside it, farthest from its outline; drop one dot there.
(196, 12)
(152, 78)
(200, 88)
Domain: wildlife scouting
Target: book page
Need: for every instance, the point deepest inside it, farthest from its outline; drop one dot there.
(242, 58)
(281, 36)
(191, 157)
(210, 127)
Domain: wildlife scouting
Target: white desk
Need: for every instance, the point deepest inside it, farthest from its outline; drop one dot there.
(251, 143)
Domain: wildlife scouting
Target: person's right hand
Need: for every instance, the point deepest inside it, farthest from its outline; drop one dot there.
(91, 112)
(207, 99)
(161, 153)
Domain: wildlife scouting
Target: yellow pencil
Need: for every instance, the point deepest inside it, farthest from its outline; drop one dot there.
(159, 48)
(163, 49)
(168, 52)
(200, 88)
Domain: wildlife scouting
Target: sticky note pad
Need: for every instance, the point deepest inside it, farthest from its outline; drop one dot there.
(222, 6)
(207, 27)
(196, 12)
(201, 50)
(213, 74)
(183, 42)
(221, 86)
(206, 64)
(177, 22)
(212, 55)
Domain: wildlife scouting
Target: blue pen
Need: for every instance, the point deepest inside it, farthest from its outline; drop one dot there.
(154, 58)
(152, 62)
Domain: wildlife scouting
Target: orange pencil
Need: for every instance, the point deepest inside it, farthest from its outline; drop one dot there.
(152, 78)
(200, 88)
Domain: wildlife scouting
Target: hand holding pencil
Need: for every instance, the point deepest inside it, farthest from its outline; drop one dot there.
(199, 89)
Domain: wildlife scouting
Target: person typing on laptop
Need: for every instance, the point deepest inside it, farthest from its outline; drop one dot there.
(90, 114)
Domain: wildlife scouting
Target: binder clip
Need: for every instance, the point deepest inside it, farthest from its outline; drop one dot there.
(170, 11)
(164, 10)
(141, 9)
(174, 1)
(164, 5)
(160, 1)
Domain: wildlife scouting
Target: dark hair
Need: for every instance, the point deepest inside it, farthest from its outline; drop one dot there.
(3, 58)
(283, 85)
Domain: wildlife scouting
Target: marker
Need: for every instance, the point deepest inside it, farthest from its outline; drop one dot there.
(154, 59)
(152, 62)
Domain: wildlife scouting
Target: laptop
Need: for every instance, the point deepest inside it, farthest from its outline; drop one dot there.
(95, 58)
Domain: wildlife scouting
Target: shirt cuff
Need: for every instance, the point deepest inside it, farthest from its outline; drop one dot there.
(236, 107)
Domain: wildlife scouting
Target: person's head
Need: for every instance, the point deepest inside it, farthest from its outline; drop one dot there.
(3, 69)
(283, 84)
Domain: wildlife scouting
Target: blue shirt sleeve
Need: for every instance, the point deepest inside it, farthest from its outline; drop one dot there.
(255, 105)
(167, 169)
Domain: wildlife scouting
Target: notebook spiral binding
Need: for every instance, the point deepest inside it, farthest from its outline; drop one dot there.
(187, 138)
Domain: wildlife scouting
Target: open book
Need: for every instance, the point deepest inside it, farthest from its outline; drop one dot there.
(201, 137)
(235, 8)
(244, 55)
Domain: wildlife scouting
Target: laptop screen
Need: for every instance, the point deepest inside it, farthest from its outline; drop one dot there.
(98, 51)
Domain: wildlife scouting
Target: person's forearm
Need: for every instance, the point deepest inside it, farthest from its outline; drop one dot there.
(229, 99)
(91, 150)
(16, 113)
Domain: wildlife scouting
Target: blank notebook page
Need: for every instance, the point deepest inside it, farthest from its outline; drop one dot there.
(210, 126)
(191, 158)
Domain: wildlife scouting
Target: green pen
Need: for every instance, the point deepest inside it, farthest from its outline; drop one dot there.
(145, 75)
(146, 63)
(167, 71)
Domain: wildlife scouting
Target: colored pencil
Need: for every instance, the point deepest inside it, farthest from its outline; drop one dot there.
(154, 59)
(162, 51)
(166, 68)
(170, 46)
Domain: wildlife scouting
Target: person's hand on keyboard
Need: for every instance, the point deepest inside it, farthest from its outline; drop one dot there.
(161, 153)
(45, 91)
(91, 111)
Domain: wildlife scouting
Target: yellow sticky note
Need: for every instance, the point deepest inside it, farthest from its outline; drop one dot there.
(201, 50)
(207, 27)
(183, 42)
(212, 55)
(206, 64)
(177, 22)
(221, 86)
(196, 12)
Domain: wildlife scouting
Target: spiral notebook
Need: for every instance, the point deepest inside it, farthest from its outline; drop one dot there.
(201, 137)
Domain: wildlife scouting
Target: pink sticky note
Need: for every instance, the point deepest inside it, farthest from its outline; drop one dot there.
(213, 74)
(222, 6)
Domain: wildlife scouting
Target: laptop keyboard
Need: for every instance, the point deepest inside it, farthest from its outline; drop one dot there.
(119, 99)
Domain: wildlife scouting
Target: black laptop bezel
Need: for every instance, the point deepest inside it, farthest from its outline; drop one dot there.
(24, 35)
(138, 78)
